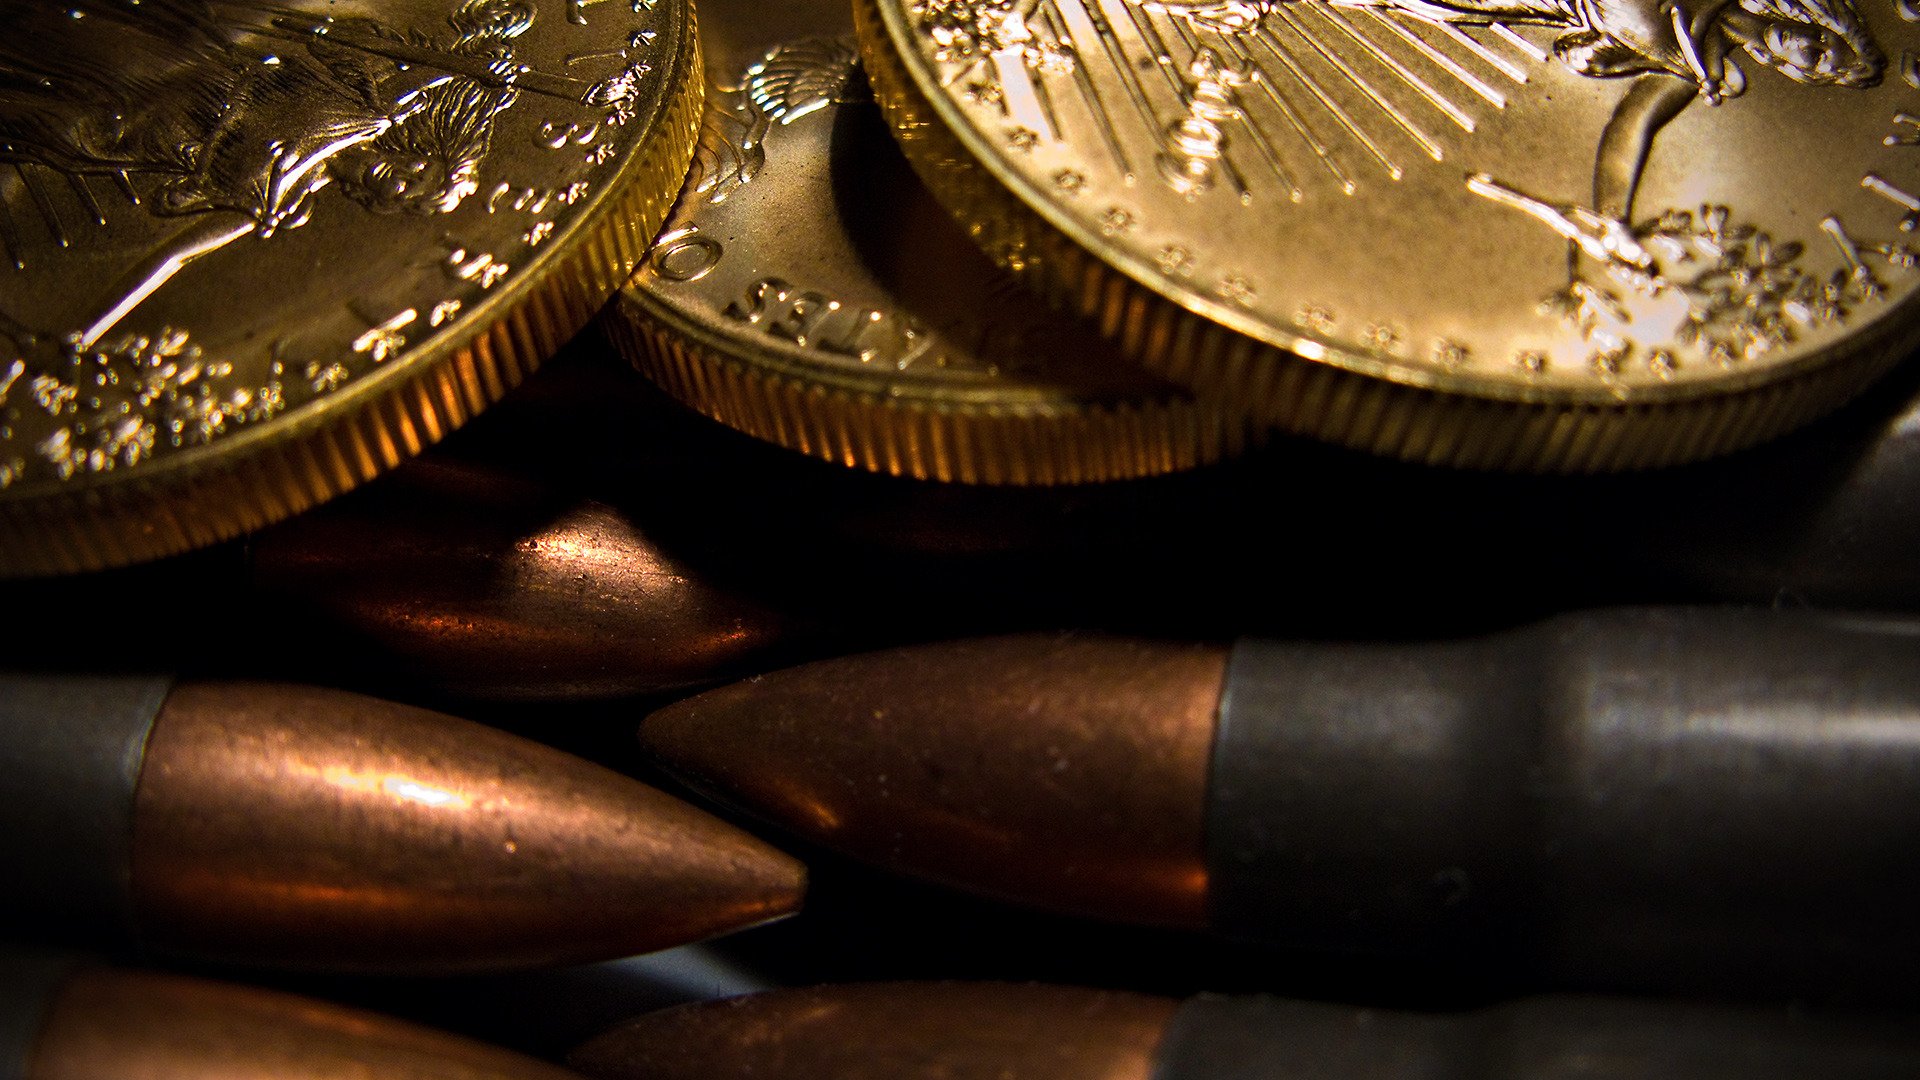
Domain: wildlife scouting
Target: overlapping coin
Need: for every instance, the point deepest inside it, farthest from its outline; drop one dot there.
(252, 253)
(808, 291)
(1528, 234)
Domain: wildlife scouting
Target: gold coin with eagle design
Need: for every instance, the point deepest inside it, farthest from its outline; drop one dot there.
(1541, 235)
(254, 252)
(808, 291)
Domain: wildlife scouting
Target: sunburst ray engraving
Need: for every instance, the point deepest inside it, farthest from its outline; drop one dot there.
(1341, 82)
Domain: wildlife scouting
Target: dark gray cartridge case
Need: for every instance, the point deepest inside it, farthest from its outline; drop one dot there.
(1684, 796)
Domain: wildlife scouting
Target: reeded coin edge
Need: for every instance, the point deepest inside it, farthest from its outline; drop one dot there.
(1351, 399)
(773, 356)
(258, 477)
(1030, 439)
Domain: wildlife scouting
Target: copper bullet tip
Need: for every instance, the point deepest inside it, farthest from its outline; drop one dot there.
(129, 1025)
(319, 829)
(1062, 771)
(477, 580)
(902, 1031)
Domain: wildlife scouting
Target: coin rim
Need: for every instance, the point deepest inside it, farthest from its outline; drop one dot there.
(260, 475)
(1227, 353)
(979, 435)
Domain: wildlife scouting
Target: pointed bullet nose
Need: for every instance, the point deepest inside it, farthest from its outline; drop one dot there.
(1068, 772)
(475, 580)
(311, 828)
(890, 1031)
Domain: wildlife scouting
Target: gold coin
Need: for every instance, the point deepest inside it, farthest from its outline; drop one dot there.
(1533, 234)
(254, 252)
(807, 291)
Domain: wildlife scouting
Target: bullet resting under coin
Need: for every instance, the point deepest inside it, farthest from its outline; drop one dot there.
(298, 827)
(1650, 798)
(476, 580)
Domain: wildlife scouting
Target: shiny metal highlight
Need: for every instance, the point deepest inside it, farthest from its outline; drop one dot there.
(1064, 771)
(309, 828)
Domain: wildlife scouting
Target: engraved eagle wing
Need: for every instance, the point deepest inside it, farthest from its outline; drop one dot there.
(729, 155)
(804, 77)
(789, 82)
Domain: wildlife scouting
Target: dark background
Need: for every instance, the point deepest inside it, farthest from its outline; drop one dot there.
(1295, 540)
